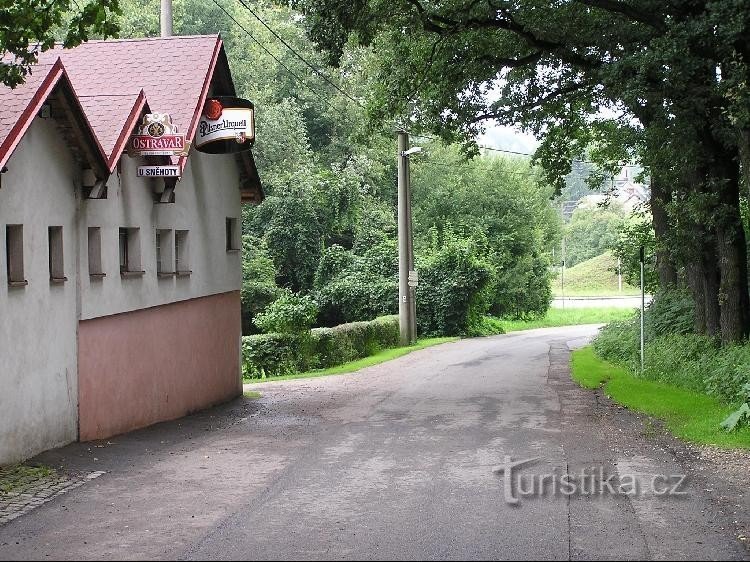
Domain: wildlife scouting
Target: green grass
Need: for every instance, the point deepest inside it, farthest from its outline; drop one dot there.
(380, 357)
(556, 317)
(594, 277)
(251, 394)
(689, 415)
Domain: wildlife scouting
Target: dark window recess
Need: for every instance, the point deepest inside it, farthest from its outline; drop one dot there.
(14, 254)
(56, 261)
(124, 250)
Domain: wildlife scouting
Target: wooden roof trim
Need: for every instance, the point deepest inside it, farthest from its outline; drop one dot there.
(82, 130)
(202, 100)
(131, 122)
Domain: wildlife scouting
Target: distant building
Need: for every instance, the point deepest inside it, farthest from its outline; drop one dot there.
(119, 294)
(625, 191)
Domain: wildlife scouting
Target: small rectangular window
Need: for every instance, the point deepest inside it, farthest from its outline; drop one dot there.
(56, 262)
(164, 252)
(14, 254)
(232, 235)
(130, 252)
(95, 252)
(182, 252)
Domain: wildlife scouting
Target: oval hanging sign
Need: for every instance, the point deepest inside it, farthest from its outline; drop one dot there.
(226, 126)
(157, 136)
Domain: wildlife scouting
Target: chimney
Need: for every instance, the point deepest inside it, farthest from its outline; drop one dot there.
(166, 18)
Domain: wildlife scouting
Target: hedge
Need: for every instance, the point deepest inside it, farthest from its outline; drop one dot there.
(270, 355)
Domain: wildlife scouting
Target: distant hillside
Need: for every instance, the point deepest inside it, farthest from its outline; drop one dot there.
(594, 277)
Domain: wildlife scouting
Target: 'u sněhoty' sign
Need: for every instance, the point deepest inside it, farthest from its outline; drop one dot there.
(157, 136)
(227, 125)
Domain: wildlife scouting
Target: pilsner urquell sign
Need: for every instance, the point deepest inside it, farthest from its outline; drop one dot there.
(157, 136)
(227, 125)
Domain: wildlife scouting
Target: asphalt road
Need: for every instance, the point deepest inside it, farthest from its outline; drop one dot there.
(398, 461)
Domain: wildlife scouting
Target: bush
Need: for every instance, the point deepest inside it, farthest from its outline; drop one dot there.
(290, 313)
(489, 326)
(619, 342)
(357, 287)
(347, 342)
(671, 312)
(676, 359)
(727, 372)
(454, 290)
(523, 290)
(272, 355)
(686, 360)
(259, 287)
(269, 355)
(357, 294)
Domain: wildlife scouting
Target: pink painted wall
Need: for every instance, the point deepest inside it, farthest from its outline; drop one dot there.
(156, 364)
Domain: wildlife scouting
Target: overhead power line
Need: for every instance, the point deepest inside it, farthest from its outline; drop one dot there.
(325, 78)
(300, 57)
(270, 54)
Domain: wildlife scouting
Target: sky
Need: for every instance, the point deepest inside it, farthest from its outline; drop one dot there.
(508, 138)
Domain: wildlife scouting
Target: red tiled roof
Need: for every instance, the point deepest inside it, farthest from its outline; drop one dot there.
(111, 78)
(103, 111)
(18, 106)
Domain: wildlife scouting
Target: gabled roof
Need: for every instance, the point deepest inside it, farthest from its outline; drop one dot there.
(174, 73)
(103, 111)
(115, 80)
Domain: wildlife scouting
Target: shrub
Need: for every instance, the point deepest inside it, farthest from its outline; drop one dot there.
(671, 312)
(269, 355)
(347, 342)
(727, 372)
(489, 326)
(290, 313)
(259, 287)
(685, 360)
(454, 289)
(357, 294)
(677, 359)
(619, 343)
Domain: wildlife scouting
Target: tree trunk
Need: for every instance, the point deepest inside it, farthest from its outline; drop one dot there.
(710, 267)
(660, 197)
(732, 251)
(695, 275)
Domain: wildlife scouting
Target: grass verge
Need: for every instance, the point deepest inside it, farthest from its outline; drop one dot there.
(557, 317)
(594, 277)
(17, 478)
(689, 415)
(380, 357)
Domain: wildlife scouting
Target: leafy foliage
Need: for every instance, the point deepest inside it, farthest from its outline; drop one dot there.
(635, 234)
(269, 355)
(259, 288)
(454, 291)
(29, 27)
(591, 232)
(289, 314)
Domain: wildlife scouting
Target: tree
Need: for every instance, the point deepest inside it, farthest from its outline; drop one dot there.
(502, 205)
(592, 231)
(674, 74)
(30, 27)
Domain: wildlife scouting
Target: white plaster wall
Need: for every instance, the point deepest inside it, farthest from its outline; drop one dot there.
(206, 195)
(38, 323)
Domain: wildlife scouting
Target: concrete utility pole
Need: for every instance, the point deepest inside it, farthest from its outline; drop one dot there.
(166, 18)
(406, 302)
(643, 309)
